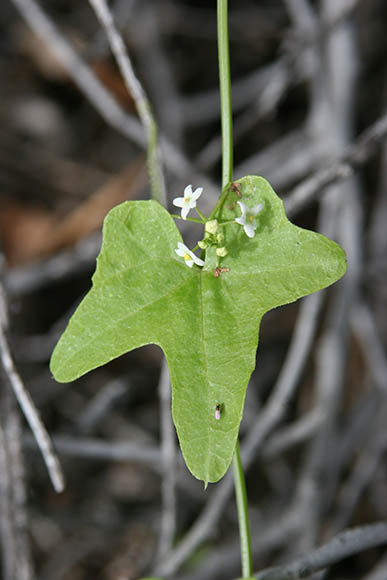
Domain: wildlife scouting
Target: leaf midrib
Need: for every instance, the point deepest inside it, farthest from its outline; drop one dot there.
(206, 369)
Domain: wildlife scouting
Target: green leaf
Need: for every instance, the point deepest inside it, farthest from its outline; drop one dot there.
(207, 326)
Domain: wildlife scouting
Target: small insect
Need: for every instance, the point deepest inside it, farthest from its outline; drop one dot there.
(236, 188)
(217, 411)
(218, 271)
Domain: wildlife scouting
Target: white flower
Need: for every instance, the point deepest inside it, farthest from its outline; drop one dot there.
(188, 201)
(247, 219)
(189, 257)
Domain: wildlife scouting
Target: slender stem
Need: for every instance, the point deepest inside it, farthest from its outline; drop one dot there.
(201, 214)
(196, 220)
(219, 204)
(243, 518)
(225, 92)
(227, 167)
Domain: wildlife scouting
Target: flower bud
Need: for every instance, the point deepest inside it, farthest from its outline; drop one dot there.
(202, 244)
(222, 252)
(211, 227)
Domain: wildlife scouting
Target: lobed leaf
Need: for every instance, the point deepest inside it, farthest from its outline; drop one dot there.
(206, 325)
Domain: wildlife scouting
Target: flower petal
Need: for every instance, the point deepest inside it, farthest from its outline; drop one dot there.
(182, 249)
(178, 201)
(198, 261)
(197, 193)
(256, 209)
(241, 220)
(188, 191)
(185, 211)
(243, 207)
(249, 230)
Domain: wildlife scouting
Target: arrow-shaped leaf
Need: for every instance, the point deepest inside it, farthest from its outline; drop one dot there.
(207, 325)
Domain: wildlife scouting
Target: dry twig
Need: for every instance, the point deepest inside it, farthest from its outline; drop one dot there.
(29, 410)
(136, 90)
(342, 546)
(96, 93)
(355, 156)
(168, 458)
(16, 555)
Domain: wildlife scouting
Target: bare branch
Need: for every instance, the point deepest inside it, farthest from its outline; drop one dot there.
(342, 546)
(253, 87)
(356, 156)
(64, 264)
(101, 404)
(96, 93)
(293, 434)
(201, 529)
(16, 555)
(287, 381)
(136, 90)
(97, 449)
(92, 448)
(168, 457)
(372, 452)
(83, 77)
(364, 326)
(29, 410)
(7, 535)
(266, 98)
(332, 109)
(153, 57)
(302, 15)
(223, 560)
(288, 159)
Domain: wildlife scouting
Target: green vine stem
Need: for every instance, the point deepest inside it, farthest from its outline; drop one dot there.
(243, 518)
(225, 92)
(195, 220)
(227, 168)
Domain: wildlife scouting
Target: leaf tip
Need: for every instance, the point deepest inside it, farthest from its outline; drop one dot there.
(61, 373)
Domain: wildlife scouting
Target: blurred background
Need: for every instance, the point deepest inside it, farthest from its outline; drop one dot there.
(309, 93)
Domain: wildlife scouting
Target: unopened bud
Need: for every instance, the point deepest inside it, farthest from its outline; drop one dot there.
(222, 252)
(202, 244)
(211, 227)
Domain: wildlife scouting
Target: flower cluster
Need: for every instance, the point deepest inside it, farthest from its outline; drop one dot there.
(213, 230)
(213, 236)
